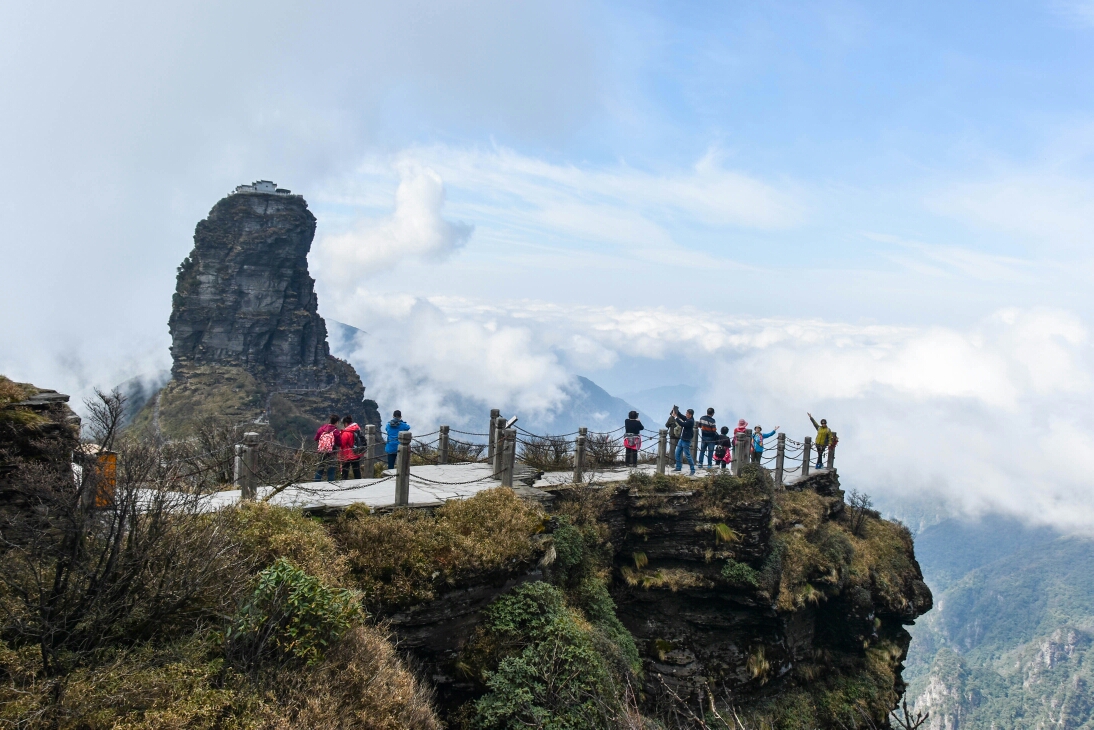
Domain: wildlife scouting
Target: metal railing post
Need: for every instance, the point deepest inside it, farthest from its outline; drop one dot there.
(402, 470)
(662, 445)
(248, 476)
(499, 436)
(831, 449)
(508, 456)
(237, 472)
(807, 455)
(740, 453)
(371, 454)
(780, 456)
(579, 454)
(442, 446)
(492, 434)
(695, 447)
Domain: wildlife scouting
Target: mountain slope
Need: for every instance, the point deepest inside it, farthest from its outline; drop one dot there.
(1008, 645)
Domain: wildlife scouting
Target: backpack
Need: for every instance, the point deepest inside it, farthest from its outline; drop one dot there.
(326, 442)
(360, 442)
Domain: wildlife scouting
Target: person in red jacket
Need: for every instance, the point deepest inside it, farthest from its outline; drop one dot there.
(347, 454)
(326, 439)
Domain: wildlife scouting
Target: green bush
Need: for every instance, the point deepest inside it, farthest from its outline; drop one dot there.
(291, 614)
(578, 554)
(550, 673)
(740, 574)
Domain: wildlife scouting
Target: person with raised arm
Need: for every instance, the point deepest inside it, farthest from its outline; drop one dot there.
(758, 437)
(824, 437)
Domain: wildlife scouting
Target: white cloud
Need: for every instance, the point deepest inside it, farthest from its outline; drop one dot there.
(992, 417)
(1043, 207)
(528, 198)
(415, 229)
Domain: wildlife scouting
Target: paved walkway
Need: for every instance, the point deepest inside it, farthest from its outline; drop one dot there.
(428, 485)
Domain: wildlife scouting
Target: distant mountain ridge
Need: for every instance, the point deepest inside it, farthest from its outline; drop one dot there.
(1009, 644)
(586, 405)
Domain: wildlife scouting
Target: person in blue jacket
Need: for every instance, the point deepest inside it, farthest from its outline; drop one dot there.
(393, 427)
(758, 437)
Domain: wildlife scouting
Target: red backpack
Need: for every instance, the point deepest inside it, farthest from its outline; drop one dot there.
(326, 442)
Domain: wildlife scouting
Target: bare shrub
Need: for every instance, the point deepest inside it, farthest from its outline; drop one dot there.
(105, 413)
(602, 449)
(860, 505)
(77, 579)
(460, 452)
(549, 453)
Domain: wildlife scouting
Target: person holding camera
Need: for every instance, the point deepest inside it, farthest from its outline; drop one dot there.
(686, 423)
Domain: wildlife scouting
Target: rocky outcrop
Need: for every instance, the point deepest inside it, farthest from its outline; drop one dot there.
(36, 426)
(247, 340)
(756, 596)
(768, 600)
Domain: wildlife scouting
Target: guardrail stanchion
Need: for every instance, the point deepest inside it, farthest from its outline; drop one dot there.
(492, 434)
(740, 453)
(371, 454)
(831, 449)
(496, 461)
(247, 466)
(579, 454)
(807, 453)
(662, 445)
(780, 456)
(442, 446)
(402, 470)
(508, 448)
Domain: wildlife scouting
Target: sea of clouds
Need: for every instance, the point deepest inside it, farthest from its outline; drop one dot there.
(997, 417)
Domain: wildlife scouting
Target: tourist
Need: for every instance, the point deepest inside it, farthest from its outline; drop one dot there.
(327, 439)
(723, 449)
(349, 453)
(687, 433)
(393, 428)
(824, 437)
(632, 439)
(708, 431)
(758, 437)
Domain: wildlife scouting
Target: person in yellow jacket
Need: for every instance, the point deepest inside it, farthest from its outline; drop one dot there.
(824, 438)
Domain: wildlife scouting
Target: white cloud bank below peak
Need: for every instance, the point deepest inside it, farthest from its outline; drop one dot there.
(996, 417)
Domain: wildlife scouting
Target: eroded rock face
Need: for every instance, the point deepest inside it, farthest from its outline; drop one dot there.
(699, 632)
(247, 338)
(245, 296)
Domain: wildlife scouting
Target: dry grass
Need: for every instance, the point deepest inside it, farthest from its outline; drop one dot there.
(407, 556)
(822, 556)
(267, 533)
(11, 392)
(883, 560)
(361, 683)
(670, 579)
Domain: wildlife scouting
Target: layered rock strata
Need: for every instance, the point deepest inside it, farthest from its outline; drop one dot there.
(773, 601)
(247, 341)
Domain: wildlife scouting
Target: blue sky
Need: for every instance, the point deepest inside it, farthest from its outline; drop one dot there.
(881, 211)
